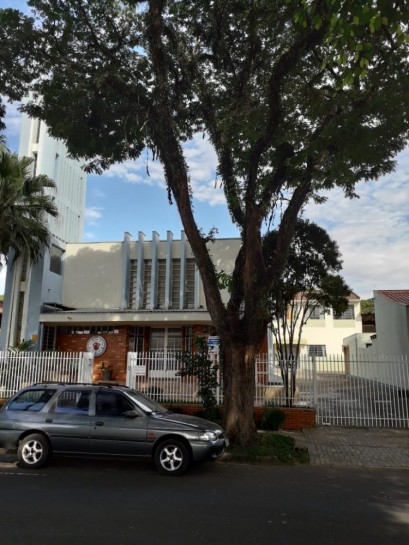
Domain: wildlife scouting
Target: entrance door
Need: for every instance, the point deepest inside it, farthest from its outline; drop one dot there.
(165, 346)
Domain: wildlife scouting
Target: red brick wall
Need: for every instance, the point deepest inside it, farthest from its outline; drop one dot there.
(296, 418)
(114, 355)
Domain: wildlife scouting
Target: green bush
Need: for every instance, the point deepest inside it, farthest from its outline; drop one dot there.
(176, 409)
(272, 419)
(212, 413)
(268, 447)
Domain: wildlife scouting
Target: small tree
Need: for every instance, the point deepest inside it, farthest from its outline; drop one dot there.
(199, 364)
(368, 306)
(309, 282)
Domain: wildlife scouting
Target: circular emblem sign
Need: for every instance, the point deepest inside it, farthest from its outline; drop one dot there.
(97, 345)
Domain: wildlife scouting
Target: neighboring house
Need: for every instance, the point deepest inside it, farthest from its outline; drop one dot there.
(383, 356)
(324, 332)
(29, 286)
(392, 327)
(392, 321)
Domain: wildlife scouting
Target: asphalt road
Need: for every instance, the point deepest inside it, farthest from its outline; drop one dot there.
(78, 502)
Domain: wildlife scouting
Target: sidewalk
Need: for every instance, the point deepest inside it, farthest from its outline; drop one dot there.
(355, 447)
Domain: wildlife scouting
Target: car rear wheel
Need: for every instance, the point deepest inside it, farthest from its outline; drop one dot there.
(33, 451)
(172, 457)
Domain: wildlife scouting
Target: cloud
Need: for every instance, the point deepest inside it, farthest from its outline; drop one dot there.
(98, 194)
(93, 215)
(202, 162)
(12, 118)
(372, 232)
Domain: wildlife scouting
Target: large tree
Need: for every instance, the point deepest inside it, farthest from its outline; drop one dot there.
(296, 96)
(23, 207)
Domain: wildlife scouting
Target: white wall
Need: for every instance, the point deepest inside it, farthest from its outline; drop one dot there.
(392, 326)
(53, 161)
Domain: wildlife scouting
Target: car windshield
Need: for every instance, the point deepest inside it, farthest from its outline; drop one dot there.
(146, 403)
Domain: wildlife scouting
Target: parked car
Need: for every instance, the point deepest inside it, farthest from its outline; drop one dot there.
(89, 419)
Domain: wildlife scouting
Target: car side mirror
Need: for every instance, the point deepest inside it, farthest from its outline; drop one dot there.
(131, 414)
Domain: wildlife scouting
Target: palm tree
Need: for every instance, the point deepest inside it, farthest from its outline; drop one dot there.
(23, 207)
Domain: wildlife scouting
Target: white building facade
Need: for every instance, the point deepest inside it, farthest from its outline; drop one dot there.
(324, 332)
(29, 285)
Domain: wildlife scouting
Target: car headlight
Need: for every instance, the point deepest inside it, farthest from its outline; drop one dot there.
(208, 436)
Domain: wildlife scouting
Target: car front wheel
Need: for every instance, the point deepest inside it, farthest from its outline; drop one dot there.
(33, 451)
(172, 457)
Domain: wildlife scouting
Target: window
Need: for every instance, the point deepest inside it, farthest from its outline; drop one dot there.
(49, 337)
(24, 266)
(20, 309)
(73, 402)
(89, 330)
(147, 278)
(175, 283)
(56, 260)
(31, 400)
(318, 313)
(190, 283)
(166, 339)
(133, 283)
(161, 283)
(317, 350)
(112, 404)
(189, 338)
(348, 314)
(136, 338)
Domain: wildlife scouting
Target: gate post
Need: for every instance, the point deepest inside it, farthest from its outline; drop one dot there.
(86, 368)
(314, 381)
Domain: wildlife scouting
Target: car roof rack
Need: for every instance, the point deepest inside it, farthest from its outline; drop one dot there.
(66, 383)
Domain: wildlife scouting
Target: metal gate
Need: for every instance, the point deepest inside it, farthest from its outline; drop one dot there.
(365, 391)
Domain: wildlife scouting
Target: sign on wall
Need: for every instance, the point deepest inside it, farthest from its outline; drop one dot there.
(213, 345)
(97, 344)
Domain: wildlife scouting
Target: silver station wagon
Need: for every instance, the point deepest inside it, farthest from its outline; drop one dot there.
(107, 420)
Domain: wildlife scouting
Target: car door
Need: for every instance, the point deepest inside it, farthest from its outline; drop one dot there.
(118, 427)
(68, 421)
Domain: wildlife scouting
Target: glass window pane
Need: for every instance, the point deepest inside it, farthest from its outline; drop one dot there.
(31, 400)
(73, 402)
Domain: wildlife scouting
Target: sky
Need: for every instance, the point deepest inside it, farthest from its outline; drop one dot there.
(372, 232)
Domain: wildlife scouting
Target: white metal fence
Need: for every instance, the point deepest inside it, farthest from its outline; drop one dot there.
(359, 392)
(20, 369)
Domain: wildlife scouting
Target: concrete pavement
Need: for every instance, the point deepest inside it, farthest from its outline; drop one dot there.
(355, 447)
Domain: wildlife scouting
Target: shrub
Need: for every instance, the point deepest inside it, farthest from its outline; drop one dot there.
(176, 409)
(272, 419)
(212, 413)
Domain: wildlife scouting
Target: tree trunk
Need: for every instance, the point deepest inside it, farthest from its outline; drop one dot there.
(239, 391)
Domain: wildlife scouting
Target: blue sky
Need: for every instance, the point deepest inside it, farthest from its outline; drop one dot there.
(372, 231)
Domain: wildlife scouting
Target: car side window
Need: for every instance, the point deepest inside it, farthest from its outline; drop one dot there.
(73, 402)
(112, 404)
(31, 400)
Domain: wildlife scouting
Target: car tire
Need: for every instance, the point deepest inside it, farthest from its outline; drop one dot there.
(33, 451)
(172, 457)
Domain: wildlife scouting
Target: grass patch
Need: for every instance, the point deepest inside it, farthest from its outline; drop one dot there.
(269, 447)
